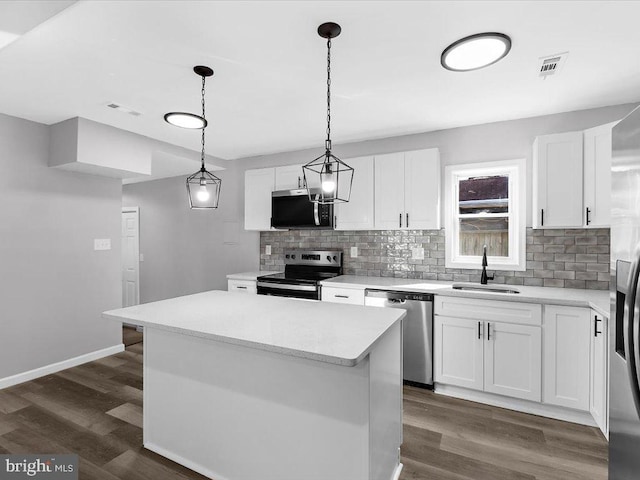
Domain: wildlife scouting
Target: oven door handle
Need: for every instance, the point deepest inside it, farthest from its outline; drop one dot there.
(287, 286)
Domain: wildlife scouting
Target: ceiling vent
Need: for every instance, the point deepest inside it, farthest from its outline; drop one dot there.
(552, 64)
(123, 109)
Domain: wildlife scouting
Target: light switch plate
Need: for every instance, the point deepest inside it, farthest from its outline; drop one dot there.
(267, 250)
(102, 244)
(142, 257)
(354, 252)
(417, 253)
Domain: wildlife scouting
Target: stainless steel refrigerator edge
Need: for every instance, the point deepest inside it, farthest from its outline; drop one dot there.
(624, 324)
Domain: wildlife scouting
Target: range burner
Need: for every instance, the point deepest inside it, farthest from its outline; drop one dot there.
(303, 272)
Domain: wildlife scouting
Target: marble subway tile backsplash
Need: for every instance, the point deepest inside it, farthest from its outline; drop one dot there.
(575, 258)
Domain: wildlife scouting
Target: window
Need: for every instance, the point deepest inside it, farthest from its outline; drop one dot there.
(485, 204)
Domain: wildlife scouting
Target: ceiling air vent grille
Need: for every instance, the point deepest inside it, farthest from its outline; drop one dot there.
(120, 108)
(552, 64)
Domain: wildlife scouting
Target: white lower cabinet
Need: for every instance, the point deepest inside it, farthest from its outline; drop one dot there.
(353, 296)
(458, 351)
(245, 286)
(598, 395)
(566, 356)
(513, 360)
(473, 351)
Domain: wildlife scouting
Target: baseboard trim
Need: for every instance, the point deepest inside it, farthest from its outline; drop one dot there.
(196, 467)
(56, 367)
(526, 406)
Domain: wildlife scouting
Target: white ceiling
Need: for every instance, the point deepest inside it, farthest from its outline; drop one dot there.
(268, 92)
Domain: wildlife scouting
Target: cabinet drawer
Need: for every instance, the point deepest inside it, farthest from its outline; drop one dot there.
(354, 296)
(246, 286)
(490, 310)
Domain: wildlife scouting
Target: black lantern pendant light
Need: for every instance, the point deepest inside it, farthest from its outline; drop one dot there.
(203, 187)
(332, 174)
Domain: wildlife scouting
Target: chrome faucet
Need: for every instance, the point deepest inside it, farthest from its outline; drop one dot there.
(484, 277)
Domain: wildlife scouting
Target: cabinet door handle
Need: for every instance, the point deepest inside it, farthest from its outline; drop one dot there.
(588, 212)
(407, 215)
(542, 217)
(341, 296)
(335, 222)
(401, 220)
(241, 287)
(479, 331)
(595, 326)
(488, 331)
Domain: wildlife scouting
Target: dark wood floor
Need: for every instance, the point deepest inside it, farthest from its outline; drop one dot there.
(95, 410)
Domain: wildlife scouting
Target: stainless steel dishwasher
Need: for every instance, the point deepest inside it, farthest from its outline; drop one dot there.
(417, 331)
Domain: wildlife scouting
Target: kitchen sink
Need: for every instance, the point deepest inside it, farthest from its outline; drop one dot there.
(485, 288)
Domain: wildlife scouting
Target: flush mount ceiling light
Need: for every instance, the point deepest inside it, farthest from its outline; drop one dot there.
(190, 120)
(332, 174)
(475, 51)
(203, 187)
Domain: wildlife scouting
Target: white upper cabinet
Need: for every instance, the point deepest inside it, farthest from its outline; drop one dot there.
(557, 180)
(597, 175)
(357, 214)
(258, 186)
(389, 191)
(407, 190)
(289, 177)
(422, 189)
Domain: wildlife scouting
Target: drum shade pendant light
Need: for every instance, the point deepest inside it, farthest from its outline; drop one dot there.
(203, 187)
(332, 174)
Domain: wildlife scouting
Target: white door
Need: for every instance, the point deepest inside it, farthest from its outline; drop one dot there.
(422, 189)
(513, 360)
(389, 191)
(258, 185)
(597, 175)
(357, 214)
(130, 257)
(566, 356)
(599, 361)
(458, 352)
(558, 182)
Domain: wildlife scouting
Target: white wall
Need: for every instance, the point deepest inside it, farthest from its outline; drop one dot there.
(188, 251)
(53, 285)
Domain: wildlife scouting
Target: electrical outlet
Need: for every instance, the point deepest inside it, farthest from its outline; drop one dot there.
(267, 250)
(102, 244)
(417, 253)
(354, 252)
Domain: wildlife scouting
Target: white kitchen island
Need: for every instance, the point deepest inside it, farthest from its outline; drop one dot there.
(251, 387)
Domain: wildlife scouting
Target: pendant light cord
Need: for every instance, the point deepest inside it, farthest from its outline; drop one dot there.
(203, 117)
(328, 142)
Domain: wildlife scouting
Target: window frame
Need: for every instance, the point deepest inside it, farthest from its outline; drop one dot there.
(516, 169)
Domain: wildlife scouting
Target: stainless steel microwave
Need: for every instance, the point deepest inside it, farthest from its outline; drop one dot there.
(292, 209)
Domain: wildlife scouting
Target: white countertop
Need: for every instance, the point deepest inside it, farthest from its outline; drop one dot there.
(327, 332)
(599, 300)
(250, 275)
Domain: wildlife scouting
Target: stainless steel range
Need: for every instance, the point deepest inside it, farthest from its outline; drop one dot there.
(303, 272)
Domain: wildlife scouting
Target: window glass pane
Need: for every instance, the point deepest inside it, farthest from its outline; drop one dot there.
(477, 232)
(484, 194)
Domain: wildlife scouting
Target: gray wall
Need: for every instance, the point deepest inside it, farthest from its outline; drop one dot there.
(53, 285)
(188, 251)
(479, 143)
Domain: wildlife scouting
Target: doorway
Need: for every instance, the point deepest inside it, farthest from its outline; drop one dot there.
(130, 256)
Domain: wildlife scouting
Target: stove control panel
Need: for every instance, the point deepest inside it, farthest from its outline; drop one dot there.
(313, 257)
